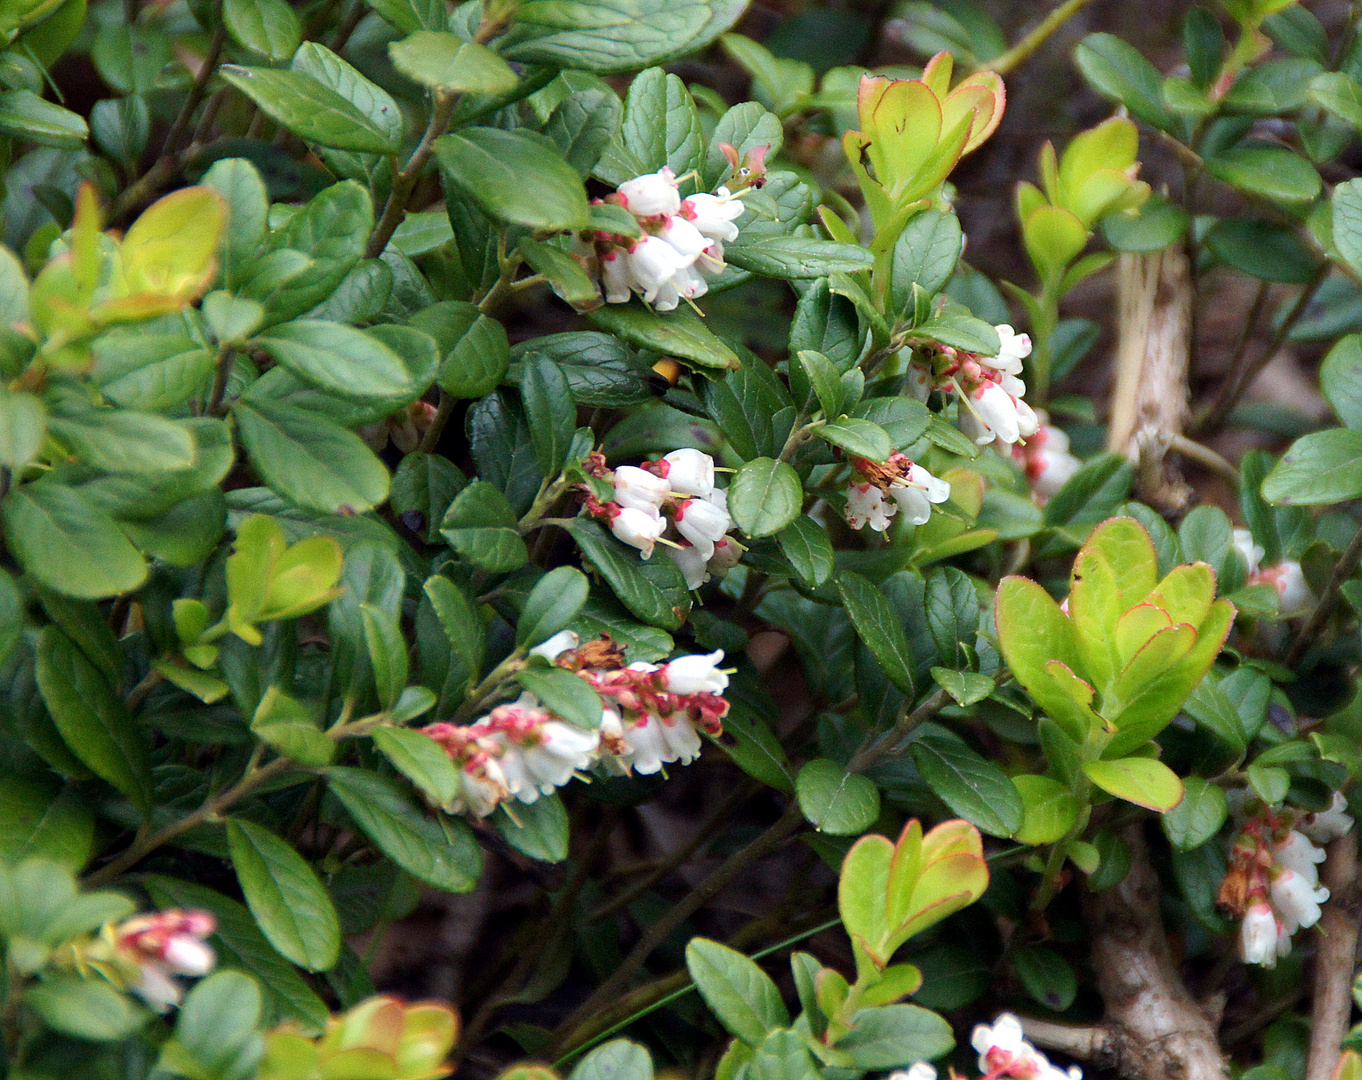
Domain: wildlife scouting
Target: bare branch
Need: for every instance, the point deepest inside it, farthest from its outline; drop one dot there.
(1157, 1030)
(1334, 964)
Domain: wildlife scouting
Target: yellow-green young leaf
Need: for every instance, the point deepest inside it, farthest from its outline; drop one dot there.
(1136, 628)
(304, 578)
(1048, 810)
(863, 891)
(285, 896)
(1033, 631)
(170, 249)
(898, 981)
(1143, 781)
(1164, 649)
(1053, 237)
(1186, 593)
(1152, 706)
(1114, 570)
(439, 58)
(952, 875)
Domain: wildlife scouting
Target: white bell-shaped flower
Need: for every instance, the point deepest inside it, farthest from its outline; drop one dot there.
(652, 194)
(702, 523)
(616, 278)
(1015, 348)
(715, 214)
(696, 674)
(1298, 854)
(683, 236)
(639, 489)
(690, 472)
(551, 648)
(638, 529)
(1251, 553)
(866, 505)
(653, 263)
(1258, 935)
(916, 493)
(1296, 900)
(694, 566)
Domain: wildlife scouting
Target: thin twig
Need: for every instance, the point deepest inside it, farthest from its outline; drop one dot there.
(1037, 37)
(403, 184)
(714, 883)
(431, 439)
(1243, 377)
(723, 813)
(254, 776)
(1204, 455)
(171, 160)
(1343, 570)
(885, 744)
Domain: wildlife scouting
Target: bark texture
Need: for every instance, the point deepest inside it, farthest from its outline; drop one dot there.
(1149, 406)
(1336, 960)
(1154, 1029)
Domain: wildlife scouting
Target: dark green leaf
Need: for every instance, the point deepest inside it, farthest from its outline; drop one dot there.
(879, 627)
(806, 545)
(553, 603)
(550, 412)
(481, 527)
(440, 851)
(92, 718)
(971, 785)
(836, 801)
(738, 992)
(925, 254)
(309, 460)
(764, 497)
(284, 895)
(310, 109)
(1325, 467)
(1198, 817)
(515, 176)
(538, 829)
(679, 333)
(655, 591)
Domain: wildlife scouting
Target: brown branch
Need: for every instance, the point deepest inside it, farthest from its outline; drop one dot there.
(1092, 1043)
(1156, 1029)
(1334, 963)
(405, 182)
(718, 879)
(885, 744)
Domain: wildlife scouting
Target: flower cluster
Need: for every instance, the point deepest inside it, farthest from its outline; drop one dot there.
(152, 949)
(1045, 457)
(680, 243)
(877, 491)
(677, 490)
(1286, 576)
(1004, 1052)
(989, 388)
(652, 715)
(1273, 880)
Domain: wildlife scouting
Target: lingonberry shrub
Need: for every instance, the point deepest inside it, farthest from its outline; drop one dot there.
(507, 509)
